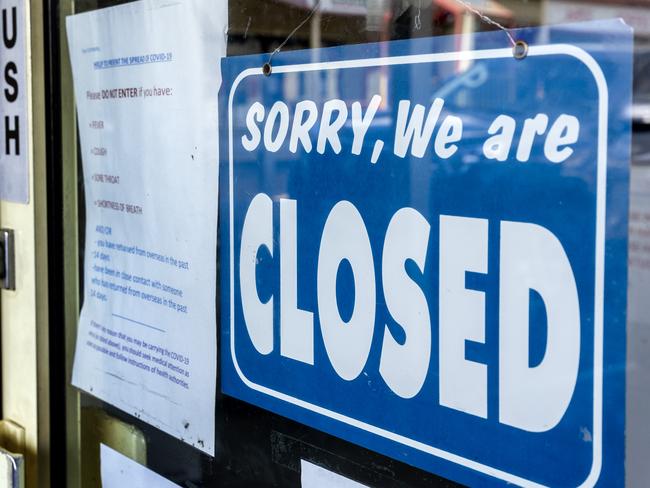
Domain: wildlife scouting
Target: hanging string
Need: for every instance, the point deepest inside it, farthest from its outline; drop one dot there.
(487, 20)
(417, 22)
(520, 48)
(247, 27)
(267, 67)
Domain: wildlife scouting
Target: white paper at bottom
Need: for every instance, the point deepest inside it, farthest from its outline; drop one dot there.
(119, 471)
(312, 476)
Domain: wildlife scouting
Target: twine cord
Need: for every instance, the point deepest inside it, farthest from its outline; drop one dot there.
(297, 28)
(417, 24)
(486, 19)
(417, 21)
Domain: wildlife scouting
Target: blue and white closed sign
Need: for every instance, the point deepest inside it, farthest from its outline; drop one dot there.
(423, 250)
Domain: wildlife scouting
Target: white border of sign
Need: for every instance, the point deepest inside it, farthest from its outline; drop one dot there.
(551, 49)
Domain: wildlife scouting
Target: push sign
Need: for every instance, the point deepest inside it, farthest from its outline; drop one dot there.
(424, 249)
(14, 177)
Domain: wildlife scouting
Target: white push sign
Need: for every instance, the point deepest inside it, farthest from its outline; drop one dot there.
(14, 172)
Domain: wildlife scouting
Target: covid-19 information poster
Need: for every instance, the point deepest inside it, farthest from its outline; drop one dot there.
(146, 78)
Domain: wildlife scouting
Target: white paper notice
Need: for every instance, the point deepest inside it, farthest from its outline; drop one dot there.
(146, 79)
(119, 471)
(312, 476)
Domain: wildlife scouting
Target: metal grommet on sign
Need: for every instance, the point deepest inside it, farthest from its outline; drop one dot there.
(520, 49)
(267, 69)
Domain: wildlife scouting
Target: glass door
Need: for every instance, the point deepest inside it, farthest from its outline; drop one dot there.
(24, 294)
(254, 447)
